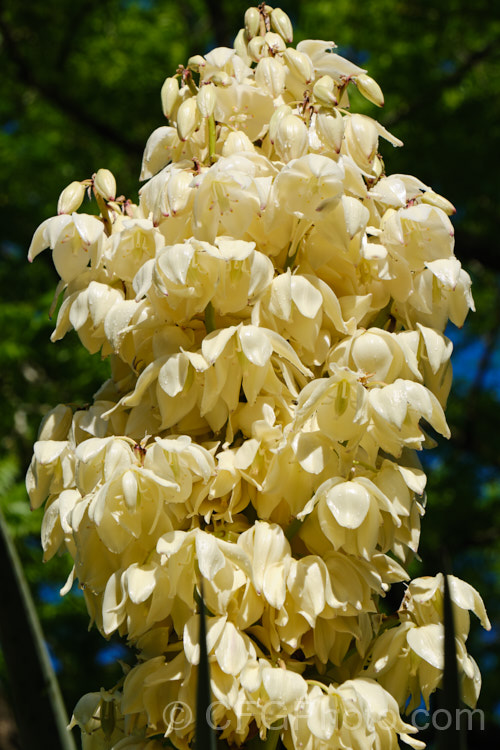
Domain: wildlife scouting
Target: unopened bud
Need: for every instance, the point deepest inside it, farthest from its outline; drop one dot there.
(252, 22)
(196, 62)
(330, 129)
(362, 136)
(169, 96)
(434, 199)
(275, 43)
(179, 191)
(206, 100)
(276, 118)
(241, 47)
(281, 23)
(236, 142)
(105, 184)
(377, 167)
(370, 89)
(188, 118)
(324, 91)
(291, 138)
(257, 48)
(71, 198)
(270, 73)
(299, 64)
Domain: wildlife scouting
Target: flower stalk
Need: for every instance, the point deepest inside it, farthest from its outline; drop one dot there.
(274, 308)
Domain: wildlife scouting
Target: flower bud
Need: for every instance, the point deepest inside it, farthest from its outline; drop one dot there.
(206, 100)
(370, 89)
(169, 96)
(179, 191)
(299, 64)
(361, 137)
(377, 167)
(434, 199)
(196, 62)
(188, 118)
(236, 142)
(276, 118)
(281, 23)
(324, 91)
(105, 184)
(330, 129)
(257, 48)
(270, 74)
(252, 22)
(275, 43)
(291, 138)
(241, 47)
(71, 198)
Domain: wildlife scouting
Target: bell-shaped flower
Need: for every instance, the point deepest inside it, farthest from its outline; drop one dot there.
(423, 603)
(86, 310)
(350, 515)
(130, 248)
(72, 239)
(227, 194)
(52, 469)
(337, 406)
(184, 278)
(174, 712)
(356, 713)
(306, 186)
(422, 647)
(232, 648)
(440, 292)
(395, 414)
(243, 356)
(162, 147)
(245, 107)
(381, 356)
(226, 569)
(266, 546)
(303, 310)
(420, 234)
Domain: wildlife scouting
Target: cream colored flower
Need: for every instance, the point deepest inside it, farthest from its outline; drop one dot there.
(273, 310)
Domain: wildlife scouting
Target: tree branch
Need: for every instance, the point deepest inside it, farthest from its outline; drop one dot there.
(56, 96)
(468, 64)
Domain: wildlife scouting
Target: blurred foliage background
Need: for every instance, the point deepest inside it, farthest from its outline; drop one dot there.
(79, 90)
